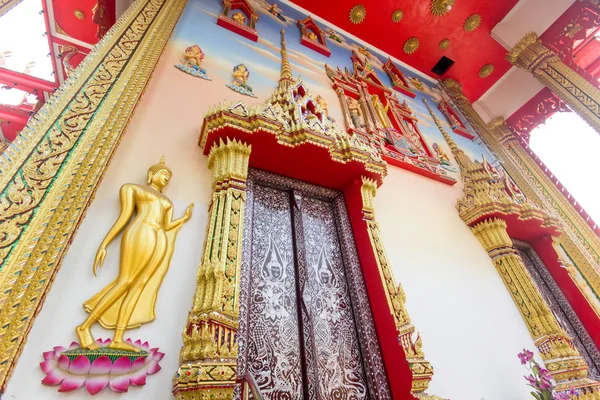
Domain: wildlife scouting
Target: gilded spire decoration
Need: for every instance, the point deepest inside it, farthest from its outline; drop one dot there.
(461, 158)
(286, 77)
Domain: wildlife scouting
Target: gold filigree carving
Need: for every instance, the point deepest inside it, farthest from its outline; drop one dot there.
(213, 320)
(472, 22)
(411, 45)
(581, 96)
(57, 162)
(358, 14)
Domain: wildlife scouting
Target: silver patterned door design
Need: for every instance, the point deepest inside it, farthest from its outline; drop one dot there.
(306, 330)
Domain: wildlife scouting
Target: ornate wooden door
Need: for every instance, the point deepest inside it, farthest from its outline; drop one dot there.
(306, 329)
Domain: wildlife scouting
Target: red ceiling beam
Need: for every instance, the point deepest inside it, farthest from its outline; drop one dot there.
(14, 114)
(25, 82)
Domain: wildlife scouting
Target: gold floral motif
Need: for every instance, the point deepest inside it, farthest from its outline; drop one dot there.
(358, 14)
(411, 45)
(472, 22)
(397, 15)
(48, 174)
(444, 44)
(486, 70)
(79, 14)
(441, 7)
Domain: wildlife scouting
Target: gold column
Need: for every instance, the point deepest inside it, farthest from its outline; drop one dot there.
(208, 361)
(579, 240)
(558, 353)
(421, 369)
(49, 175)
(583, 97)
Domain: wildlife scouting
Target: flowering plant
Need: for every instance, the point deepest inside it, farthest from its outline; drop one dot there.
(541, 380)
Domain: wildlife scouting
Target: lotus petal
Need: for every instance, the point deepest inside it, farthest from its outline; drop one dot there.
(80, 366)
(145, 346)
(72, 382)
(121, 366)
(101, 366)
(138, 372)
(74, 345)
(119, 384)
(107, 341)
(49, 355)
(128, 340)
(58, 350)
(99, 342)
(153, 367)
(48, 365)
(96, 383)
(54, 377)
(63, 362)
(138, 343)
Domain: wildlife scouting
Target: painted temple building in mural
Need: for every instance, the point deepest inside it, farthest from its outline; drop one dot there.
(256, 199)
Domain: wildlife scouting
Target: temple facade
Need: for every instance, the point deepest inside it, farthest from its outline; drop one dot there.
(242, 199)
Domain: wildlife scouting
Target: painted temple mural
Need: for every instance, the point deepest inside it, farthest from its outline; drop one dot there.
(229, 56)
(373, 96)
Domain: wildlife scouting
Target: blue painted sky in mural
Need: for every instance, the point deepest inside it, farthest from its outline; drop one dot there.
(226, 49)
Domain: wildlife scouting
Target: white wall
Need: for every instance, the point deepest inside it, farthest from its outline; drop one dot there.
(471, 329)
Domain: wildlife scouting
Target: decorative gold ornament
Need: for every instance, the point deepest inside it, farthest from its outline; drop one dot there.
(42, 219)
(411, 45)
(486, 70)
(472, 22)
(441, 7)
(146, 249)
(79, 14)
(397, 15)
(444, 44)
(358, 14)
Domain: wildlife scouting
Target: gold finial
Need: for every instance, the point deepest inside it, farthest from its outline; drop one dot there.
(161, 165)
(286, 69)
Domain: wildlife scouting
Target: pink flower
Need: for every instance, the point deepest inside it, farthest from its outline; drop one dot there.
(532, 381)
(545, 384)
(525, 356)
(101, 372)
(561, 396)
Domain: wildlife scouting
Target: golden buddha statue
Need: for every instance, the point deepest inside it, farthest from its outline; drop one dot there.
(381, 111)
(194, 56)
(239, 17)
(146, 250)
(441, 154)
(240, 75)
(311, 35)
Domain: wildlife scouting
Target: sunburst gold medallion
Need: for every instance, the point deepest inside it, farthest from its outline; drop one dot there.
(441, 7)
(486, 70)
(411, 45)
(472, 22)
(79, 14)
(444, 44)
(358, 14)
(397, 15)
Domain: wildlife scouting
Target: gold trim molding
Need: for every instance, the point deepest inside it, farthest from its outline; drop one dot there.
(7, 5)
(584, 98)
(49, 175)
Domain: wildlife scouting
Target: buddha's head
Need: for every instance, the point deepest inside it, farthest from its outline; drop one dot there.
(159, 174)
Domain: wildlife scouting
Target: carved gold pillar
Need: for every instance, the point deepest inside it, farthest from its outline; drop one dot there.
(561, 358)
(421, 368)
(583, 97)
(579, 241)
(208, 358)
(345, 110)
(49, 175)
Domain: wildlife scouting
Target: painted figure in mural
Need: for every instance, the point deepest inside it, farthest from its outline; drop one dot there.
(239, 82)
(381, 111)
(417, 83)
(276, 11)
(441, 154)
(311, 35)
(146, 249)
(334, 36)
(193, 57)
(239, 18)
(355, 113)
(364, 51)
